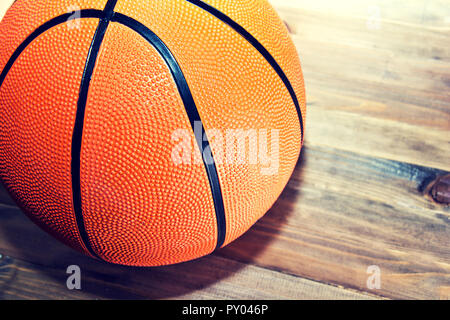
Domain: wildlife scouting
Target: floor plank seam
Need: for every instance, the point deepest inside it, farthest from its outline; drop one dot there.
(281, 271)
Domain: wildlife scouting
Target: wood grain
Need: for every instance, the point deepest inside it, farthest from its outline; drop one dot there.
(382, 92)
(342, 213)
(211, 277)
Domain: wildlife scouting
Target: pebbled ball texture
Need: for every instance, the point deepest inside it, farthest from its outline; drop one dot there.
(138, 201)
(38, 101)
(139, 207)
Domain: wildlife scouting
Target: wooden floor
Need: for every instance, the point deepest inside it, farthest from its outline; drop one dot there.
(377, 76)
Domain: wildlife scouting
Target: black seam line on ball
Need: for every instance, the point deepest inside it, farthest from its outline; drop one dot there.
(77, 136)
(192, 113)
(253, 41)
(81, 14)
(87, 13)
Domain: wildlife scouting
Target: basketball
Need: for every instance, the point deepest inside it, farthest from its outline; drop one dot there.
(148, 133)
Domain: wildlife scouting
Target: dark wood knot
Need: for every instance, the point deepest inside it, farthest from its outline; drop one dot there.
(440, 191)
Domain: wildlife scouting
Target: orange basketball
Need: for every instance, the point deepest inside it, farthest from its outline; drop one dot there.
(144, 132)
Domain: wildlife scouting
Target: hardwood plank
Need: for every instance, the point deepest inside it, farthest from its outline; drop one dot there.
(379, 92)
(372, 136)
(211, 277)
(342, 213)
(424, 13)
